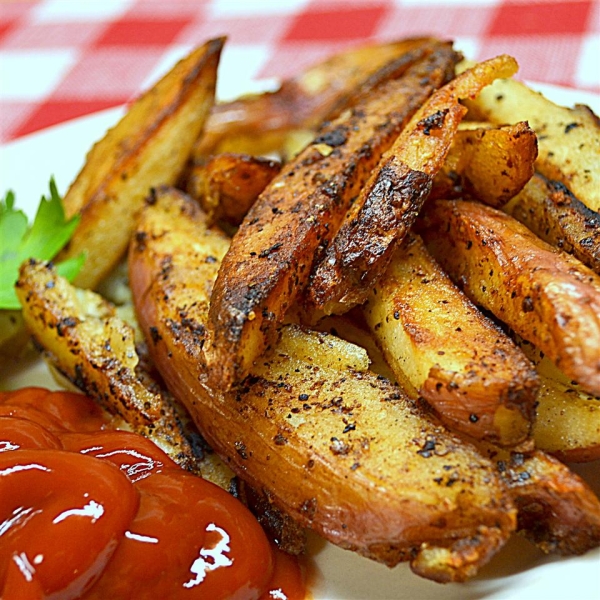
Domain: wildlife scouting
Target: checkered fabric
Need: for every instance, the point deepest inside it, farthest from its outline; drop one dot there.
(61, 59)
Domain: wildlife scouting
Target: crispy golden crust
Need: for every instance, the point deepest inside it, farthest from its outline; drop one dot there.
(487, 163)
(569, 138)
(85, 340)
(476, 379)
(272, 253)
(227, 185)
(554, 214)
(341, 451)
(389, 203)
(303, 101)
(546, 296)
(148, 147)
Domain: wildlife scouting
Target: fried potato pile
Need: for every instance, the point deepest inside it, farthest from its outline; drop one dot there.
(374, 297)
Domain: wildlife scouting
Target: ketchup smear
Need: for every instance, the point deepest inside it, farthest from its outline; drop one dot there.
(90, 512)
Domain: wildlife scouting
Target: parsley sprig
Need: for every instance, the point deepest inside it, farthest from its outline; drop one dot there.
(43, 240)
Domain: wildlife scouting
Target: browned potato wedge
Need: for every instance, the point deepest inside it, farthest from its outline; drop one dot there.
(568, 419)
(554, 214)
(390, 201)
(259, 123)
(148, 147)
(557, 510)
(491, 164)
(569, 138)
(85, 340)
(545, 295)
(477, 381)
(342, 451)
(227, 185)
(273, 251)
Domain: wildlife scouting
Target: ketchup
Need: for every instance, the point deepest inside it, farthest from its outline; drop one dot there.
(90, 512)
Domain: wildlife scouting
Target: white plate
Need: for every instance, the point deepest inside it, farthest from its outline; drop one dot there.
(519, 572)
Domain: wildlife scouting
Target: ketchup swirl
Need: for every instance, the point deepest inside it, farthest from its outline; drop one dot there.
(90, 512)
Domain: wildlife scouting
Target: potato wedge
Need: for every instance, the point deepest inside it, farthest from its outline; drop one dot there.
(390, 201)
(84, 339)
(568, 138)
(567, 423)
(555, 215)
(272, 253)
(545, 295)
(227, 185)
(148, 147)
(342, 451)
(302, 102)
(491, 164)
(475, 378)
(557, 510)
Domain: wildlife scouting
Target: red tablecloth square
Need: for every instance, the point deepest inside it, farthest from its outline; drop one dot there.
(130, 31)
(339, 23)
(541, 18)
(53, 112)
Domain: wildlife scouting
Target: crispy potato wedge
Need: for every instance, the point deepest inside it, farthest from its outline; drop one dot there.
(568, 138)
(84, 339)
(475, 378)
(557, 510)
(390, 201)
(260, 123)
(545, 295)
(340, 450)
(148, 147)
(491, 164)
(554, 214)
(567, 423)
(227, 185)
(272, 253)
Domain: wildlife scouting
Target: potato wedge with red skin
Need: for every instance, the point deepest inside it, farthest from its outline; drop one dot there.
(557, 510)
(491, 164)
(149, 146)
(390, 201)
(342, 451)
(301, 102)
(272, 253)
(475, 378)
(555, 215)
(546, 296)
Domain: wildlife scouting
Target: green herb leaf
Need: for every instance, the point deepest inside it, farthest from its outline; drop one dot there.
(47, 235)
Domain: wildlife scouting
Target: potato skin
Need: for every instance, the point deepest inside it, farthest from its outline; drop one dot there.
(342, 451)
(490, 164)
(475, 378)
(546, 296)
(227, 185)
(557, 510)
(555, 215)
(148, 147)
(272, 253)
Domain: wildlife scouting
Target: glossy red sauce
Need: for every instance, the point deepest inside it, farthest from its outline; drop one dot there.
(90, 512)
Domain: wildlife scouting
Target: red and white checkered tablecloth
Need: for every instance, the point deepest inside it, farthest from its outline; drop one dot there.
(61, 59)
